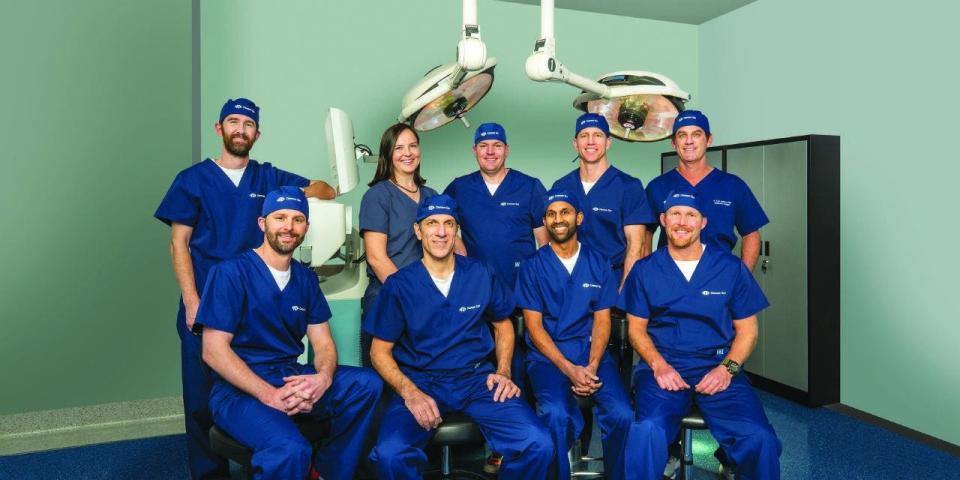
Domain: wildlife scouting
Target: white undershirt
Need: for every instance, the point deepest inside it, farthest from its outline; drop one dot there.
(587, 186)
(571, 262)
(280, 276)
(492, 187)
(687, 267)
(234, 174)
(443, 284)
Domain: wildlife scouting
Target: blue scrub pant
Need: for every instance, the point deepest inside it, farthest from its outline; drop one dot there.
(558, 409)
(735, 417)
(197, 418)
(279, 450)
(511, 428)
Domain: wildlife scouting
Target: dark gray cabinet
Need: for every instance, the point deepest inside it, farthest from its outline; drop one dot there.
(797, 181)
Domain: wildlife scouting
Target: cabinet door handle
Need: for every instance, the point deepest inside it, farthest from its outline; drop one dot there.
(766, 248)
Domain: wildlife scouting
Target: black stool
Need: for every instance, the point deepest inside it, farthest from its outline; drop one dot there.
(578, 461)
(457, 429)
(226, 446)
(693, 421)
(620, 346)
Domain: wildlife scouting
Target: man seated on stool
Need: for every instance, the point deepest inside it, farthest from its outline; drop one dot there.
(432, 343)
(692, 312)
(255, 310)
(566, 291)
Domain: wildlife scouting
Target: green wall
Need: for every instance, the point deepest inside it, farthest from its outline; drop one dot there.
(298, 58)
(884, 79)
(95, 121)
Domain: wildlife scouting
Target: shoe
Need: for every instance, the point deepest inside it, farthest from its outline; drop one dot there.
(672, 470)
(727, 473)
(492, 465)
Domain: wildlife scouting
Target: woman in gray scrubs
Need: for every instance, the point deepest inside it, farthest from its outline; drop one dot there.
(387, 214)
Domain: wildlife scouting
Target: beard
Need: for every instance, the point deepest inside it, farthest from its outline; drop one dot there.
(561, 238)
(682, 243)
(238, 144)
(274, 242)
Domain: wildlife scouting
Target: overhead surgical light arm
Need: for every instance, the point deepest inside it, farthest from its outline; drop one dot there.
(542, 65)
(638, 105)
(471, 60)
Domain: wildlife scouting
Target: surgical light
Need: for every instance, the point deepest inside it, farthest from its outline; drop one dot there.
(449, 91)
(639, 106)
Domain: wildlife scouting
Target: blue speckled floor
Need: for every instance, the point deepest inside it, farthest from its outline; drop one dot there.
(817, 444)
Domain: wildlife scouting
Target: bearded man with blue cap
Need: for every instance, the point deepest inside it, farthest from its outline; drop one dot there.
(692, 311)
(212, 208)
(566, 291)
(432, 343)
(255, 310)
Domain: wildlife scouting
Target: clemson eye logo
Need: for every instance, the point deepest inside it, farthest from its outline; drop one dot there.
(705, 292)
(463, 309)
(280, 199)
(431, 207)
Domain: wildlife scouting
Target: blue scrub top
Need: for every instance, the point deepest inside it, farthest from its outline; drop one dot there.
(567, 301)
(223, 216)
(694, 317)
(498, 228)
(385, 209)
(615, 201)
(268, 324)
(436, 333)
(726, 198)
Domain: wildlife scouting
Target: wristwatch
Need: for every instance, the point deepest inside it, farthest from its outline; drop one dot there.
(733, 368)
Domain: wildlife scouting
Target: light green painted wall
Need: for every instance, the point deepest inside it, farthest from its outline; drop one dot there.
(95, 123)
(884, 79)
(298, 58)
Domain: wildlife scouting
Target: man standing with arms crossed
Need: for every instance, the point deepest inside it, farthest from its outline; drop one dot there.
(693, 310)
(212, 209)
(727, 200)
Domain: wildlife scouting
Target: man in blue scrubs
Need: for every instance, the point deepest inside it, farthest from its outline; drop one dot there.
(566, 291)
(615, 210)
(501, 209)
(727, 200)
(692, 310)
(501, 213)
(256, 308)
(212, 209)
(432, 344)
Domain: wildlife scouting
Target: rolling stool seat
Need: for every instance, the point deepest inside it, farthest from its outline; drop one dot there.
(226, 446)
(692, 421)
(457, 429)
(579, 462)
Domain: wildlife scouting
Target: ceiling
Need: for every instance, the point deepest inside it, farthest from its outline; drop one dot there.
(681, 11)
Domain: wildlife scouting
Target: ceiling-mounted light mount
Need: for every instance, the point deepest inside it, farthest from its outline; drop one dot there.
(449, 91)
(639, 106)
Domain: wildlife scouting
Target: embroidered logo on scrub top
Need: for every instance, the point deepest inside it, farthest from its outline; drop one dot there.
(471, 307)
(509, 204)
(591, 285)
(723, 203)
(298, 308)
(256, 195)
(708, 292)
(601, 209)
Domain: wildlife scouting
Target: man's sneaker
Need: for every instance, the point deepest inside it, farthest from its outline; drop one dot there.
(672, 470)
(492, 466)
(726, 472)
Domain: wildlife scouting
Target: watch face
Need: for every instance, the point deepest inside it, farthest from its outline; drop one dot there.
(732, 367)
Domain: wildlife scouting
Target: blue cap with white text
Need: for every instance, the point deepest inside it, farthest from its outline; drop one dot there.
(288, 197)
(490, 131)
(694, 118)
(592, 120)
(682, 197)
(240, 106)
(438, 205)
(561, 195)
